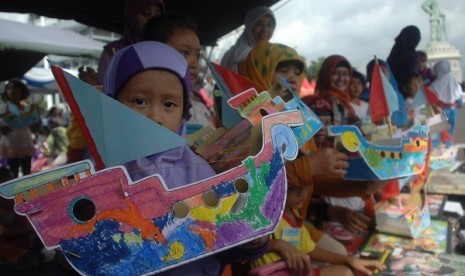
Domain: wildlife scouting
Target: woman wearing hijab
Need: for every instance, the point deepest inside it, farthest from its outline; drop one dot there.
(333, 82)
(136, 14)
(260, 24)
(322, 170)
(403, 58)
(448, 90)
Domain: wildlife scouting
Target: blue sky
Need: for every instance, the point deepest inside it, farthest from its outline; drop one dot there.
(357, 29)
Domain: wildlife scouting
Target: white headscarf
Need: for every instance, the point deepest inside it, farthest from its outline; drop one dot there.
(446, 85)
(239, 51)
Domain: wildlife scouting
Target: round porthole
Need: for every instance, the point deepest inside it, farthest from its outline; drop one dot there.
(210, 199)
(180, 209)
(82, 210)
(241, 185)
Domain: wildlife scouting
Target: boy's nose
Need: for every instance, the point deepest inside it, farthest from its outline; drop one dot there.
(155, 115)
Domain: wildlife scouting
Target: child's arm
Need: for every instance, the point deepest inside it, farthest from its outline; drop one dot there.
(355, 263)
(295, 260)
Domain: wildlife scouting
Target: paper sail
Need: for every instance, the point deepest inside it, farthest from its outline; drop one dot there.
(372, 161)
(383, 97)
(105, 224)
(114, 133)
(235, 82)
(419, 99)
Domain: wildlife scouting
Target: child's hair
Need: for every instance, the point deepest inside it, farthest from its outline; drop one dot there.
(360, 76)
(17, 83)
(161, 28)
(142, 56)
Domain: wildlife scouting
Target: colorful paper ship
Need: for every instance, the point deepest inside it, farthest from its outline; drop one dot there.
(105, 224)
(382, 162)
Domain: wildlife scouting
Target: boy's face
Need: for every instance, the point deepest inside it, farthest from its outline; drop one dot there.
(296, 196)
(340, 79)
(187, 43)
(412, 87)
(355, 88)
(263, 28)
(156, 94)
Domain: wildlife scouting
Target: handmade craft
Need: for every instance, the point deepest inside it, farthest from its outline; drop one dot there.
(106, 224)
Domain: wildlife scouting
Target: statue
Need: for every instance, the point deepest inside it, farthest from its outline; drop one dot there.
(431, 7)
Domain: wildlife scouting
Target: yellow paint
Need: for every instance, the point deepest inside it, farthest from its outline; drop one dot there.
(350, 141)
(205, 213)
(176, 252)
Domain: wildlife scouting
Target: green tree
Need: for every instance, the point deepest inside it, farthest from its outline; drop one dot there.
(314, 68)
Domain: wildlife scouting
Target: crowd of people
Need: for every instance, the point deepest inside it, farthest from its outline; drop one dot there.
(154, 69)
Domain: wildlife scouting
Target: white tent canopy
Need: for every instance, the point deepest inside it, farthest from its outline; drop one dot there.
(47, 40)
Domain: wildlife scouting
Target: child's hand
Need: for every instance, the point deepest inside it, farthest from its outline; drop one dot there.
(296, 261)
(362, 265)
(352, 220)
(328, 161)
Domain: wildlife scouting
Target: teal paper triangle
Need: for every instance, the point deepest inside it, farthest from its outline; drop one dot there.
(119, 133)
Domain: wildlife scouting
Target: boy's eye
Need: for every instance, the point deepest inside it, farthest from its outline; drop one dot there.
(170, 105)
(139, 101)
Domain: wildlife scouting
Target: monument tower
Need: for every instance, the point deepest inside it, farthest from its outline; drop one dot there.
(439, 47)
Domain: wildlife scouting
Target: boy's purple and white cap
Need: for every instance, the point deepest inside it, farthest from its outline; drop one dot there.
(141, 56)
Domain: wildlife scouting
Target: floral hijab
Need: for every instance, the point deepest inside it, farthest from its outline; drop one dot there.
(262, 61)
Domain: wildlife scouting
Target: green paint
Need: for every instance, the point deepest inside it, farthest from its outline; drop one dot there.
(257, 195)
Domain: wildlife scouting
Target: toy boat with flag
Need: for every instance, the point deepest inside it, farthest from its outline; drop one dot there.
(383, 156)
(381, 162)
(107, 225)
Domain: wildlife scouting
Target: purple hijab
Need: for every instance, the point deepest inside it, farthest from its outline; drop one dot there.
(178, 166)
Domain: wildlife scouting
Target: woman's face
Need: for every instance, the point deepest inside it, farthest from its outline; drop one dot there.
(291, 73)
(263, 28)
(146, 14)
(340, 79)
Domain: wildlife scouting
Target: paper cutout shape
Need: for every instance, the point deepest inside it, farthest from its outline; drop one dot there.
(115, 133)
(105, 224)
(253, 106)
(15, 119)
(381, 162)
(383, 97)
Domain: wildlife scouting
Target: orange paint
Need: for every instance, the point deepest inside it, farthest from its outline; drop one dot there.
(131, 217)
(208, 236)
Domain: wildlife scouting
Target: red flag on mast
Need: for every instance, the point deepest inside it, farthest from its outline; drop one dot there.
(235, 82)
(379, 107)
